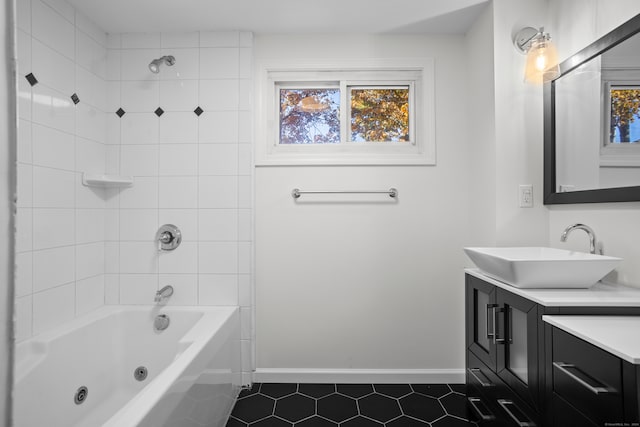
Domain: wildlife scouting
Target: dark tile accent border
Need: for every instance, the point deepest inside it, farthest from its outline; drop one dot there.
(31, 79)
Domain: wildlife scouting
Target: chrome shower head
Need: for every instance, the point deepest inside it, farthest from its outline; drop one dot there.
(154, 66)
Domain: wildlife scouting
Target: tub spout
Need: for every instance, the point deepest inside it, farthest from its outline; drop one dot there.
(164, 293)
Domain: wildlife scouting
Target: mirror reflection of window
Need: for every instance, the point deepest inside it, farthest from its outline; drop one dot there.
(625, 114)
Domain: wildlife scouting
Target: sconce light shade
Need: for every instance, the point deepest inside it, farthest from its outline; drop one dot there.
(542, 56)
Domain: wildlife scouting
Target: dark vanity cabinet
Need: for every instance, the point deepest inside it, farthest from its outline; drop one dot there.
(502, 357)
(511, 380)
(587, 385)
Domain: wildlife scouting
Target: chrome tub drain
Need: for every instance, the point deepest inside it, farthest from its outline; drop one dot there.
(81, 395)
(140, 373)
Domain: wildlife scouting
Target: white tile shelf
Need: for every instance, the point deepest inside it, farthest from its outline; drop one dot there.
(97, 180)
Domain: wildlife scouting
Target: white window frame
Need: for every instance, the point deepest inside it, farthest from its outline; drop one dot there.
(417, 73)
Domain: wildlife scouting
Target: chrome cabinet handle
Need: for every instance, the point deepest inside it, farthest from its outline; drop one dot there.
(510, 325)
(481, 409)
(496, 337)
(480, 377)
(491, 333)
(566, 368)
(507, 404)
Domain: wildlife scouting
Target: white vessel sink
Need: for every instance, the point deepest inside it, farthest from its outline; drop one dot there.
(539, 267)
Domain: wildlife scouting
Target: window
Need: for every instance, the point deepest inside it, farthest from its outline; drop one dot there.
(621, 119)
(346, 115)
(309, 116)
(379, 114)
(624, 116)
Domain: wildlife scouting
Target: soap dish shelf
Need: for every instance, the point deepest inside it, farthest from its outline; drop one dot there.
(110, 181)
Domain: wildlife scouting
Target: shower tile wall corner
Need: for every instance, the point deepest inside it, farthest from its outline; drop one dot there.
(191, 164)
(60, 223)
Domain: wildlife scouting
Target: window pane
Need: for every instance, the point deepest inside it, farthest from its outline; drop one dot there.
(625, 115)
(380, 114)
(309, 116)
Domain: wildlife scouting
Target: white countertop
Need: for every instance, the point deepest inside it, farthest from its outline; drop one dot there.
(616, 334)
(599, 295)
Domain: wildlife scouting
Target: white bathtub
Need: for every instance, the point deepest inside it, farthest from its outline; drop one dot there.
(193, 369)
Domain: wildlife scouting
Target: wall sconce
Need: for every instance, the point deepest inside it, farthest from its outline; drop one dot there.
(542, 56)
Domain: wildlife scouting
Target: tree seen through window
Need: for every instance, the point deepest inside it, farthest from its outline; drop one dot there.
(312, 116)
(625, 116)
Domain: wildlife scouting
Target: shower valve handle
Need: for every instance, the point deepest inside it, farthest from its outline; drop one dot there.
(169, 237)
(166, 237)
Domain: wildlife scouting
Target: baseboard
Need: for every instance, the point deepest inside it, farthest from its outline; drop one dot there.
(360, 376)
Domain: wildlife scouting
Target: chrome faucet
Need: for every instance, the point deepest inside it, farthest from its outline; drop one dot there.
(164, 293)
(594, 246)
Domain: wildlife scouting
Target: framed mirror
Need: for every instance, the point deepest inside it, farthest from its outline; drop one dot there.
(592, 122)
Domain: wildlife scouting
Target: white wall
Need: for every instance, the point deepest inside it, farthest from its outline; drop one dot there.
(481, 146)
(7, 206)
(60, 235)
(574, 24)
(352, 284)
(518, 115)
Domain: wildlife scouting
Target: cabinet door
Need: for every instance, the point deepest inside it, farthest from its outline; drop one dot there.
(481, 318)
(517, 345)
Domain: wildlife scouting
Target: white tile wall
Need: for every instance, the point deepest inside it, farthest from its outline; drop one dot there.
(178, 159)
(53, 267)
(192, 171)
(138, 224)
(60, 224)
(24, 274)
(53, 307)
(52, 108)
(180, 39)
(52, 148)
(219, 126)
(179, 128)
(52, 28)
(89, 294)
(218, 192)
(138, 288)
(219, 63)
(24, 15)
(53, 228)
(25, 147)
(139, 128)
(218, 289)
(179, 95)
(52, 68)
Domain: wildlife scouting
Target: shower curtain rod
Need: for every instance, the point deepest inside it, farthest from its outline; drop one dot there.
(296, 192)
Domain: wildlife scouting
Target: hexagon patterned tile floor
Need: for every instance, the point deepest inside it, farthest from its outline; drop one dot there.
(351, 405)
